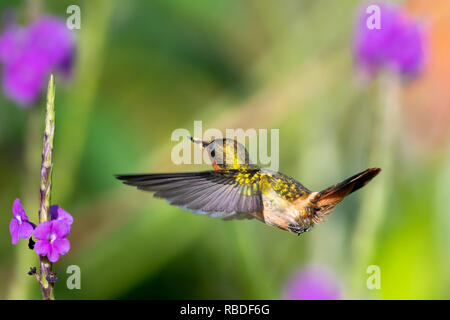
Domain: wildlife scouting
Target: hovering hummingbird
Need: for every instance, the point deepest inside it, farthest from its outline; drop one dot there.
(237, 189)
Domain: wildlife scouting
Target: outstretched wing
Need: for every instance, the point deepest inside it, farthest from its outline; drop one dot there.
(217, 193)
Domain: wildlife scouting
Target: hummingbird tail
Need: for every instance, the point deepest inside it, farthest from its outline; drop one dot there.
(327, 199)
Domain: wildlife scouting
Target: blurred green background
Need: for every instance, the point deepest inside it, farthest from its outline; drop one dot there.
(146, 68)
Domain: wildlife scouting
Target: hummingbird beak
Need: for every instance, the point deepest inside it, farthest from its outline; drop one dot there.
(203, 143)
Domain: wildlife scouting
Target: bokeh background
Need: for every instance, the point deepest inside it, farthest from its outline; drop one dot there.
(145, 68)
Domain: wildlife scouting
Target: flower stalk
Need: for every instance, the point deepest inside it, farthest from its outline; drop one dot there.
(374, 205)
(46, 183)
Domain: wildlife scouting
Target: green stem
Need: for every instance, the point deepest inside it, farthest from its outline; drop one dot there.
(21, 285)
(374, 202)
(78, 110)
(46, 183)
(33, 9)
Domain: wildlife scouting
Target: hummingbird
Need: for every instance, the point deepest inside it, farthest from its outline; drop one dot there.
(238, 189)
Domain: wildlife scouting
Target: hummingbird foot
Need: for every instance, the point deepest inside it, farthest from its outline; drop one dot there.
(298, 230)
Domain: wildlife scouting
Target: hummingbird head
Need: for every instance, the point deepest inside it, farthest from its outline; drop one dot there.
(225, 153)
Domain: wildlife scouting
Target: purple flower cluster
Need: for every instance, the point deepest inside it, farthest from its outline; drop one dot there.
(398, 44)
(50, 235)
(30, 54)
(313, 283)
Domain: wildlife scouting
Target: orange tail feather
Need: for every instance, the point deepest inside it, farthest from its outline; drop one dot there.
(327, 199)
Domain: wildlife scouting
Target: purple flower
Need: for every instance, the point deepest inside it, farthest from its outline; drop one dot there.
(50, 235)
(51, 38)
(23, 79)
(30, 53)
(398, 43)
(12, 43)
(313, 283)
(51, 239)
(59, 214)
(20, 226)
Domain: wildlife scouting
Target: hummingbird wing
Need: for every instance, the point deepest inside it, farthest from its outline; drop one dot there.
(217, 193)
